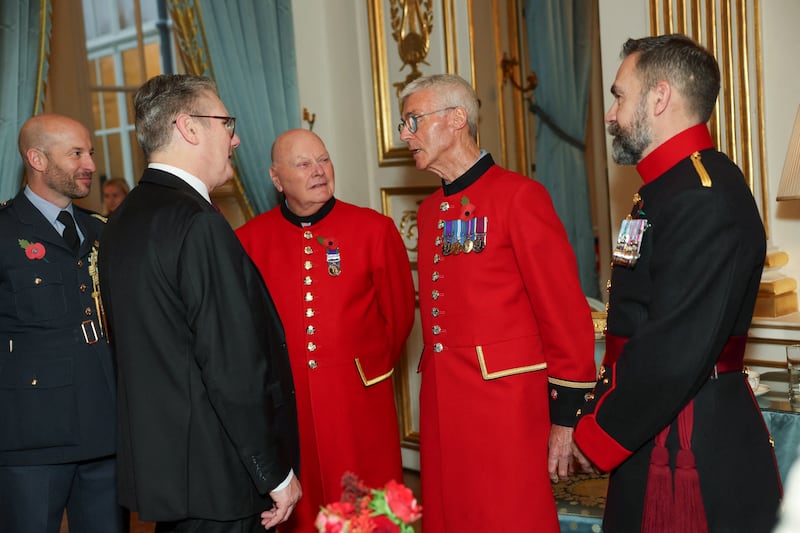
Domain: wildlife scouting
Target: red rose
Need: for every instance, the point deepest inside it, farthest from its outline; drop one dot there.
(329, 523)
(35, 250)
(402, 502)
(333, 518)
(384, 525)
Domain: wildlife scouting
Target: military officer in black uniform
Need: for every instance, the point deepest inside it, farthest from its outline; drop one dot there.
(57, 436)
(672, 416)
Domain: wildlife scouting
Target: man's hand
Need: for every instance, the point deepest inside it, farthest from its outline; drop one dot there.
(285, 500)
(559, 457)
(581, 460)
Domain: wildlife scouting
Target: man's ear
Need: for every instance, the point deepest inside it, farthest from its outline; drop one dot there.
(37, 159)
(458, 117)
(187, 127)
(276, 180)
(662, 93)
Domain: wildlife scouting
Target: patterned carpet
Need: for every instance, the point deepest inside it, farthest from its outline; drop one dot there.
(582, 495)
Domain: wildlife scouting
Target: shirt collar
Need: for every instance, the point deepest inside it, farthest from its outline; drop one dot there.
(674, 150)
(49, 210)
(302, 222)
(193, 181)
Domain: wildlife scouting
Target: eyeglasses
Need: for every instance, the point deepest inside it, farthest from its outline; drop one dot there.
(410, 121)
(230, 122)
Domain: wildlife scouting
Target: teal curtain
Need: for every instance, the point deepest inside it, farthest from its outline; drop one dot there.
(24, 48)
(559, 48)
(247, 47)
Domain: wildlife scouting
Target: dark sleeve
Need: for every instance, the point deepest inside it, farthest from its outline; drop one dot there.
(240, 349)
(695, 249)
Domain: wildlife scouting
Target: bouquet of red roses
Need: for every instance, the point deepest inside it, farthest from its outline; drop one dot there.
(391, 509)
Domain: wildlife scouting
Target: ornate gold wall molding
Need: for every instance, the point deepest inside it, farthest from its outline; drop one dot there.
(731, 30)
(401, 205)
(422, 34)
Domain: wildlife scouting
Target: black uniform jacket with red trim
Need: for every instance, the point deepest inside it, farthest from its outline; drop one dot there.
(692, 288)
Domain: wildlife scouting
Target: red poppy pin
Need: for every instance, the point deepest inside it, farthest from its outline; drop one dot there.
(33, 250)
(329, 244)
(467, 208)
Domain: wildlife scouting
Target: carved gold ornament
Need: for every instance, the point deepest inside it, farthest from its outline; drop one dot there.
(412, 23)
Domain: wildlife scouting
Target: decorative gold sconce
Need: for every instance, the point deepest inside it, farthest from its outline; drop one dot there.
(509, 66)
(412, 23)
(310, 118)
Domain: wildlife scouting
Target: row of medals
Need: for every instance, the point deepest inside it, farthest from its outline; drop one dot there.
(462, 235)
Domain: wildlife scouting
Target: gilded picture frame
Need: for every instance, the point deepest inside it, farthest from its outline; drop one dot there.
(401, 204)
(408, 39)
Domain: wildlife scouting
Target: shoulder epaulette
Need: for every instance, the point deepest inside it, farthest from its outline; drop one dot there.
(100, 217)
(705, 179)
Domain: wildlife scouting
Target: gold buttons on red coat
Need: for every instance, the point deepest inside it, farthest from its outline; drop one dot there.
(312, 364)
(435, 311)
(444, 206)
(307, 235)
(311, 346)
(308, 297)
(436, 329)
(307, 280)
(437, 347)
(307, 265)
(309, 313)
(435, 276)
(308, 250)
(435, 294)
(310, 330)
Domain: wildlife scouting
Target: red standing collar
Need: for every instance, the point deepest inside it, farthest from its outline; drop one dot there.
(674, 150)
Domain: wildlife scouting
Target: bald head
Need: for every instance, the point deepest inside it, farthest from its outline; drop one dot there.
(287, 142)
(302, 170)
(42, 131)
(57, 153)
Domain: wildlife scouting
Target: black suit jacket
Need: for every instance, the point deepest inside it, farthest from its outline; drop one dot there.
(207, 417)
(56, 389)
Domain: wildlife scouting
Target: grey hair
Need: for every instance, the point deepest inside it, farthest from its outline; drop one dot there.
(160, 100)
(451, 91)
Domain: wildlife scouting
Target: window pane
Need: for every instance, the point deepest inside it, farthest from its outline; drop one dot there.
(132, 68)
(115, 162)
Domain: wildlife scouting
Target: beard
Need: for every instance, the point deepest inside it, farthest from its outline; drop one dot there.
(629, 144)
(62, 182)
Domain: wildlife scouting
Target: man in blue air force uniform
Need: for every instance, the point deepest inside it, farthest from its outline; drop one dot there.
(56, 373)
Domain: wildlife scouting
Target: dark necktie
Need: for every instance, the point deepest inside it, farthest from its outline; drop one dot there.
(70, 232)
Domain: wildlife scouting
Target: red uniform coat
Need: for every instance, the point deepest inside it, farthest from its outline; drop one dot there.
(504, 329)
(345, 334)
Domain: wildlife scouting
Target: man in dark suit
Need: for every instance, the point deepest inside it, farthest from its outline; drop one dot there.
(56, 371)
(207, 420)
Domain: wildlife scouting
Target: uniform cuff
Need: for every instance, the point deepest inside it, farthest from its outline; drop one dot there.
(598, 446)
